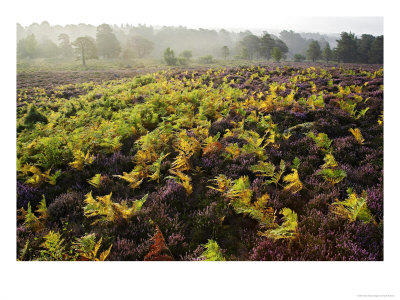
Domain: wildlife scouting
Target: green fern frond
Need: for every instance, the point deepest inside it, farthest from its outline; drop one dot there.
(95, 180)
(23, 251)
(288, 229)
(222, 182)
(155, 168)
(321, 140)
(42, 208)
(362, 113)
(277, 175)
(330, 161)
(31, 221)
(212, 252)
(266, 169)
(258, 211)
(333, 176)
(233, 150)
(51, 179)
(240, 190)
(296, 163)
(87, 248)
(53, 247)
(354, 207)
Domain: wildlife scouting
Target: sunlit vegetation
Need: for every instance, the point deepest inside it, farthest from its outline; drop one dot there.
(257, 162)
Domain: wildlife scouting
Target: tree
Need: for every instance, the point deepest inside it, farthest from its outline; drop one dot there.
(107, 44)
(282, 46)
(187, 54)
(27, 47)
(364, 47)
(207, 59)
(65, 45)
(251, 46)
(346, 48)
(169, 57)
(314, 51)
(335, 55)
(225, 52)
(47, 49)
(267, 44)
(128, 53)
(85, 48)
(295, 42)
(20, 32)
(276, 54)
(327, 53)
(141, 46)
(299, 57)
(376, 53)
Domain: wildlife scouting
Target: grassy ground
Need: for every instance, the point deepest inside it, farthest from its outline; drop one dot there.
(45, 73)
(35, 65)
(48, 73)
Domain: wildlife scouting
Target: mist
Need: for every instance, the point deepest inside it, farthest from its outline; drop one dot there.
(199, 41)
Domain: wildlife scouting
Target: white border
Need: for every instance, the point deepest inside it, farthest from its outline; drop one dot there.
(237, 280)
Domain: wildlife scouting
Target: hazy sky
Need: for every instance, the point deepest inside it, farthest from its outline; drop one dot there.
(301, 16)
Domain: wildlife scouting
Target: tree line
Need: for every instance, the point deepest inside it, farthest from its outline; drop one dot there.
(350, 49)
(141, 41)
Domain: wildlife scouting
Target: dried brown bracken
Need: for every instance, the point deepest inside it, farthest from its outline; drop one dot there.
(159, 250)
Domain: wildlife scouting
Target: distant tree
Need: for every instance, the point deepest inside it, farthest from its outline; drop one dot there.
(20, 32)
(225, 52)
(282, 46)
(276, 54)
(85, 48)
(207, 59)
(376, 53)
(141, 46)
(48, 49)
(244, 54)
(267, 44)
(314, 51)
(27, 47)
(224, 37)
(327, 53)
(251, 46)
(107, 44)
(295, 42)
(364, 47)
(187, 54)
(65, 45)
(169, 57)
(346, 48)
(335, 55)
(299, 57)
(128, 53)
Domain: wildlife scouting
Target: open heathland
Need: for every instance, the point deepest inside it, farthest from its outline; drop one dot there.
(229, 163)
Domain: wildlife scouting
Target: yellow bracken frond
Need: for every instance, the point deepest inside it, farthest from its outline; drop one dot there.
(357, 134)
(222, 183)
(288, 229)
(108, 211)
(184, 180)
(81, 159)
(233, 150)
(294, 184)
(330, 161)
